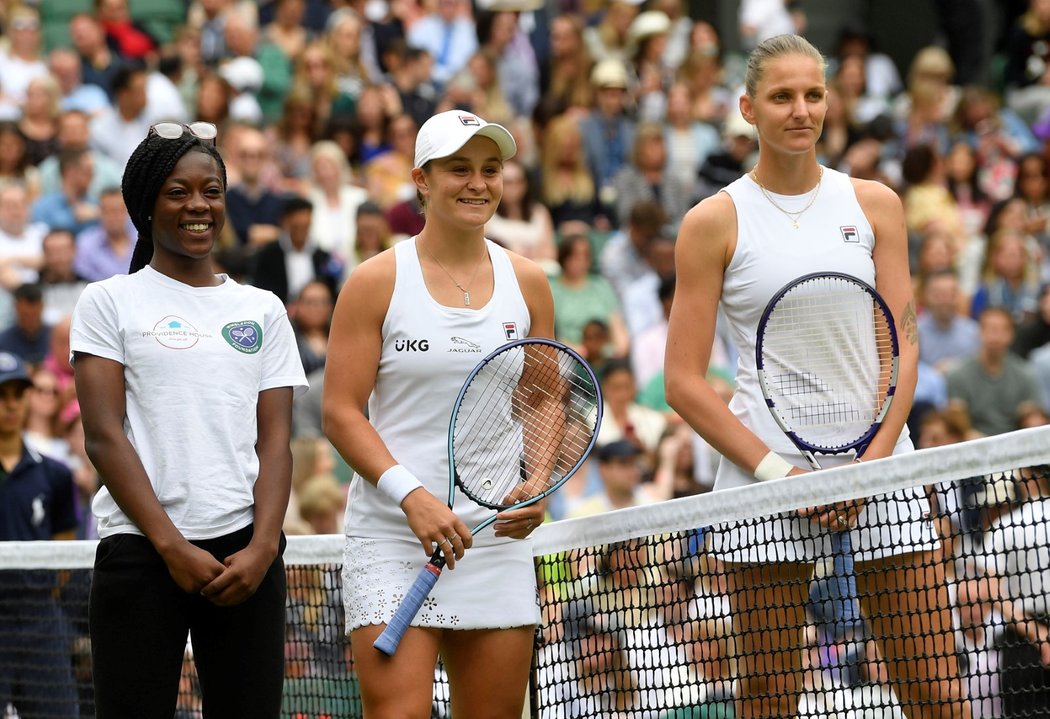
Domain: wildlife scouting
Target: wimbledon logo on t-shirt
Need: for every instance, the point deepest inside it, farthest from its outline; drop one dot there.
(244, 336)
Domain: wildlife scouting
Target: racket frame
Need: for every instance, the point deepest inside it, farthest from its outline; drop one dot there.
(809, 450)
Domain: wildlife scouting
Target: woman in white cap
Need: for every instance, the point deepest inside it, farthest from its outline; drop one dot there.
(409, 326)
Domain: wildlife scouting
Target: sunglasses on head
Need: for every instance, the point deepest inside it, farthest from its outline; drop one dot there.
(175, 130)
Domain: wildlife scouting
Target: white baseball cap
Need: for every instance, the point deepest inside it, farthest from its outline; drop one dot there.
(446, 132)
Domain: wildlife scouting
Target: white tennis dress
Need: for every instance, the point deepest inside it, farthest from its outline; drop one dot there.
(834, 235)
(428, 351)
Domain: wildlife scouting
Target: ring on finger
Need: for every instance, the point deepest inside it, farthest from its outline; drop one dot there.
(445, 540)
(841, 520)
(530, 524)
(453, 538)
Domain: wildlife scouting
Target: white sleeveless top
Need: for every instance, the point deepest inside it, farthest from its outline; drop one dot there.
(834, 235)
(428, 351)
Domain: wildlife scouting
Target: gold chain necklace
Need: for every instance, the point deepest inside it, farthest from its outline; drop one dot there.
(793, 216)
(464, 290)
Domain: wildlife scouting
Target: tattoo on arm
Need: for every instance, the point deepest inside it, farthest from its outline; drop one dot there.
(909, 323)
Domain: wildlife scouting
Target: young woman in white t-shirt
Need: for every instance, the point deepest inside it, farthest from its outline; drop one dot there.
(185, 380)
(785, 219)
(409, 326)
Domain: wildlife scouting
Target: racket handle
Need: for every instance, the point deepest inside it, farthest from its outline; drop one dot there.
(391, 636)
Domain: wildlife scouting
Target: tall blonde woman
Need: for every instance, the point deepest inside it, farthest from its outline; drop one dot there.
(409, 326)
(39, 121)
(735, 250)
(567, 186)
(344, 37)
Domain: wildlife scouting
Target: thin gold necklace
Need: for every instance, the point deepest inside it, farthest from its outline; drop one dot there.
(464, 290)
(793, 216)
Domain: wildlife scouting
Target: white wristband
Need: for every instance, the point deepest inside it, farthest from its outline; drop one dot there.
(772, 466)
(397, 482)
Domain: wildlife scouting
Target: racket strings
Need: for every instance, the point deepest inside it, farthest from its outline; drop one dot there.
(829, 360)
(522, 424)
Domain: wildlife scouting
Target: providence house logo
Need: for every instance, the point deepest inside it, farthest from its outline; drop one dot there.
(175, 333)
(244, 336)
(464, 346)
(407, 345)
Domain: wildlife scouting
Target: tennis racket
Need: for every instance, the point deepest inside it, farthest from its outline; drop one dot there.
(523, 423)
(827, 359)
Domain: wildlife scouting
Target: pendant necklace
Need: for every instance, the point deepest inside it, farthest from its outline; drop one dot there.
(793, 216)
(464, 290)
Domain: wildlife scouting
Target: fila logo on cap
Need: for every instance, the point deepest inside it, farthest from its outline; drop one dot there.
(469, 120)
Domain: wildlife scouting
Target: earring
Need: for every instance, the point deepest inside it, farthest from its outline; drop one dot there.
(149, 218)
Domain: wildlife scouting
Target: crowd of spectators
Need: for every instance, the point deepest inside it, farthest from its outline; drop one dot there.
(625, 115)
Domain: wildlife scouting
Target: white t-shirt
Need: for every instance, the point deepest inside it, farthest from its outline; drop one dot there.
(16, 74)
(768, 18)
(117, 138)
(195, 360)
(30, 243)
(1018, 546)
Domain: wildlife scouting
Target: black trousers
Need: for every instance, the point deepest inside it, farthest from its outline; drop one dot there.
(1025, 682)
(139, 620)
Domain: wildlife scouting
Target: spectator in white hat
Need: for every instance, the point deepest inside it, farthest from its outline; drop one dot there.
(647, 43)
(608, 133)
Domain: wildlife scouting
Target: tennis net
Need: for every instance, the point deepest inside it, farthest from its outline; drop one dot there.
(727, 604)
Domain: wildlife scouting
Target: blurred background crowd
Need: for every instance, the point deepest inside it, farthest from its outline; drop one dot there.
(625, 113)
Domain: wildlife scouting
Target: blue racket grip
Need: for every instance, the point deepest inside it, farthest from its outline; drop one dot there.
(387, 641)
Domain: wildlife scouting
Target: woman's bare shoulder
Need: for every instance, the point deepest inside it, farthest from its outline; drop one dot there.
(371, 283)
(711, 222)
(874, 194)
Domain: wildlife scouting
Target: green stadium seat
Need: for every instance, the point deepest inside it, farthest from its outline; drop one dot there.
(160, 17)
(312, 697)
(54, 20)
(711, 710)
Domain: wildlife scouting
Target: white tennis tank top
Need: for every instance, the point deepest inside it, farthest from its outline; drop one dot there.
(428, 351)
(833, 236)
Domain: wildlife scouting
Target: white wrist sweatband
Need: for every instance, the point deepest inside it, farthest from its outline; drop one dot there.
(397, 482)
(772, 466)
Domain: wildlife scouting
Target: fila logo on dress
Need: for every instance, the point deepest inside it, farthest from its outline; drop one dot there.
(849, 233)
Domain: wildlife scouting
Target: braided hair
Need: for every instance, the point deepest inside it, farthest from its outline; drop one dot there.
(148, 167)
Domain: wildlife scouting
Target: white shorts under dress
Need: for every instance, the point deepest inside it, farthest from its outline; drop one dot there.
(492, 587)
(887, 525)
